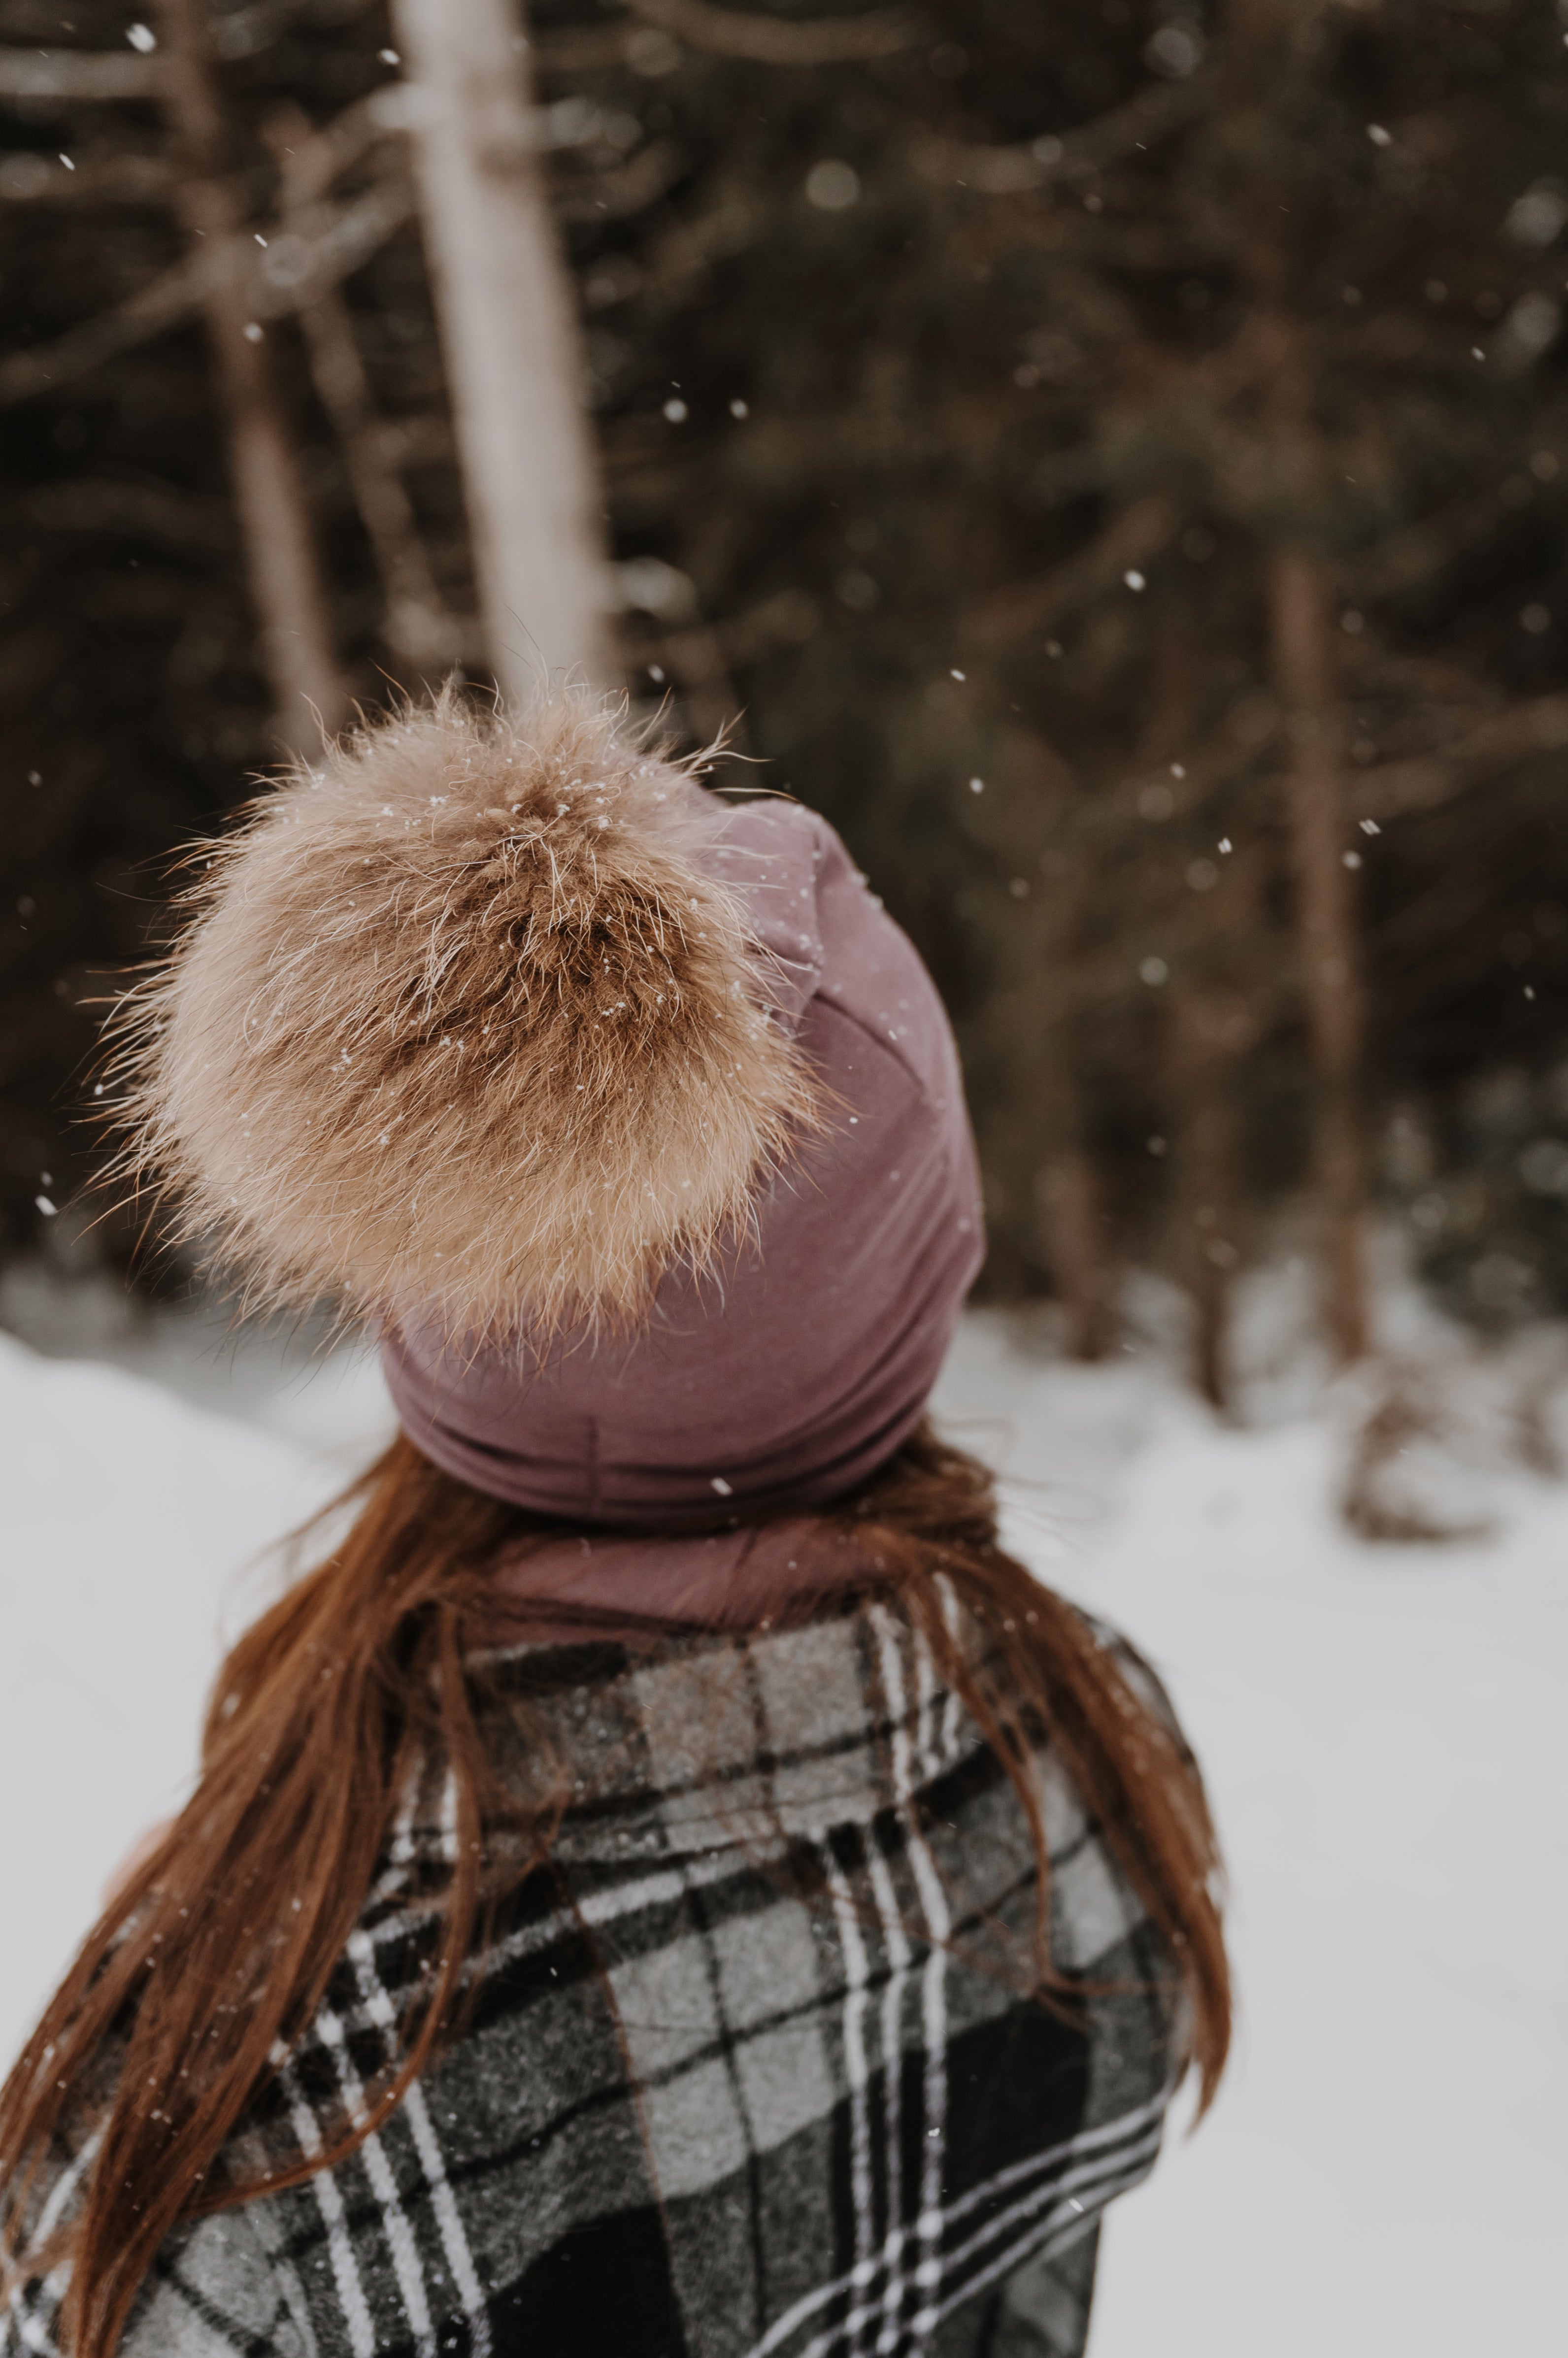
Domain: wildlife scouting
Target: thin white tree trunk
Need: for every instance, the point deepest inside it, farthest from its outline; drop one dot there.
(510, 333)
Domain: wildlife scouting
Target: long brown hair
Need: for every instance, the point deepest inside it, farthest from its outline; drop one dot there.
(214, 1956)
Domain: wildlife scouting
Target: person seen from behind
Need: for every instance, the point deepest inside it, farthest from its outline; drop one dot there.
(667, 1884)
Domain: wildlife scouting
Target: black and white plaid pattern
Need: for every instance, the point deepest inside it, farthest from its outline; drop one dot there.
(748, 2074)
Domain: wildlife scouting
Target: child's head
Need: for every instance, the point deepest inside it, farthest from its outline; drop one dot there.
(625, 1114)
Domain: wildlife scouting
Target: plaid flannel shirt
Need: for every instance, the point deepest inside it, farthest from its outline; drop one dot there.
(750, 2070)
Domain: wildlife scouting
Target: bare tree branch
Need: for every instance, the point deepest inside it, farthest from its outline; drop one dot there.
(1405, 561)
(628, 188)
(427, 441)
(182, 520)
(416, 623)
(1130, 540)
(1248, 729)
(777, 41)
(29, 178)
(683, 251)
(289, 595)
(290, 273)
(1153, 114)
(72, 76)
(581, 49)
(1373, 670)
(318, 157)
(292, 270)
(708, 651)
(174, 294)
(1398, 789)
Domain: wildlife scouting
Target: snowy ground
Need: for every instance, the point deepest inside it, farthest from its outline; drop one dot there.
(1380, 1726)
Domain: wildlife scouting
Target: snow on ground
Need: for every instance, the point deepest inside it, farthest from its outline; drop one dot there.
(1381, 1731)
(1381, 1727)
(134, 1524)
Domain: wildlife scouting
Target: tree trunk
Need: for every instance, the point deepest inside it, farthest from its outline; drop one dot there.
(513, 348)
(285, 582)
(1071, 1226)
(417, 625)
(1210, 1028)
(1304, 672)
(1037, 1133)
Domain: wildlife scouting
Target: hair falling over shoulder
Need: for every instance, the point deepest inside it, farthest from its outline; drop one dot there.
(212, 1958)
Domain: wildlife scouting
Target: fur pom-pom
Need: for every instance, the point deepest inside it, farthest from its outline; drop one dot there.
(459, 1028)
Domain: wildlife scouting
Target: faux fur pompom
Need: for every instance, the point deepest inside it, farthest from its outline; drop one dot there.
(459, 1028)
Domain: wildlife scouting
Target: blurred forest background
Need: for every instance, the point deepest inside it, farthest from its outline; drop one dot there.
(1111, 456)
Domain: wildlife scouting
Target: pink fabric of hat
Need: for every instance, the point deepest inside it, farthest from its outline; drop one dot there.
(785, 1375)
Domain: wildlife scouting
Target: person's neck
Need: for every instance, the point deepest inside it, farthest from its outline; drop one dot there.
(599, 1583)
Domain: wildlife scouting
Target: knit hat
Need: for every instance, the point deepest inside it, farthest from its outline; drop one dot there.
(624, 1114)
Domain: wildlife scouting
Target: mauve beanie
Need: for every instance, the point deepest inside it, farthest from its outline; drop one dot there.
(784, 1375)
(624, 1114)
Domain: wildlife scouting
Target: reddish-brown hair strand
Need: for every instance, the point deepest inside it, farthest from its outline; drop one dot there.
(214, 1956)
